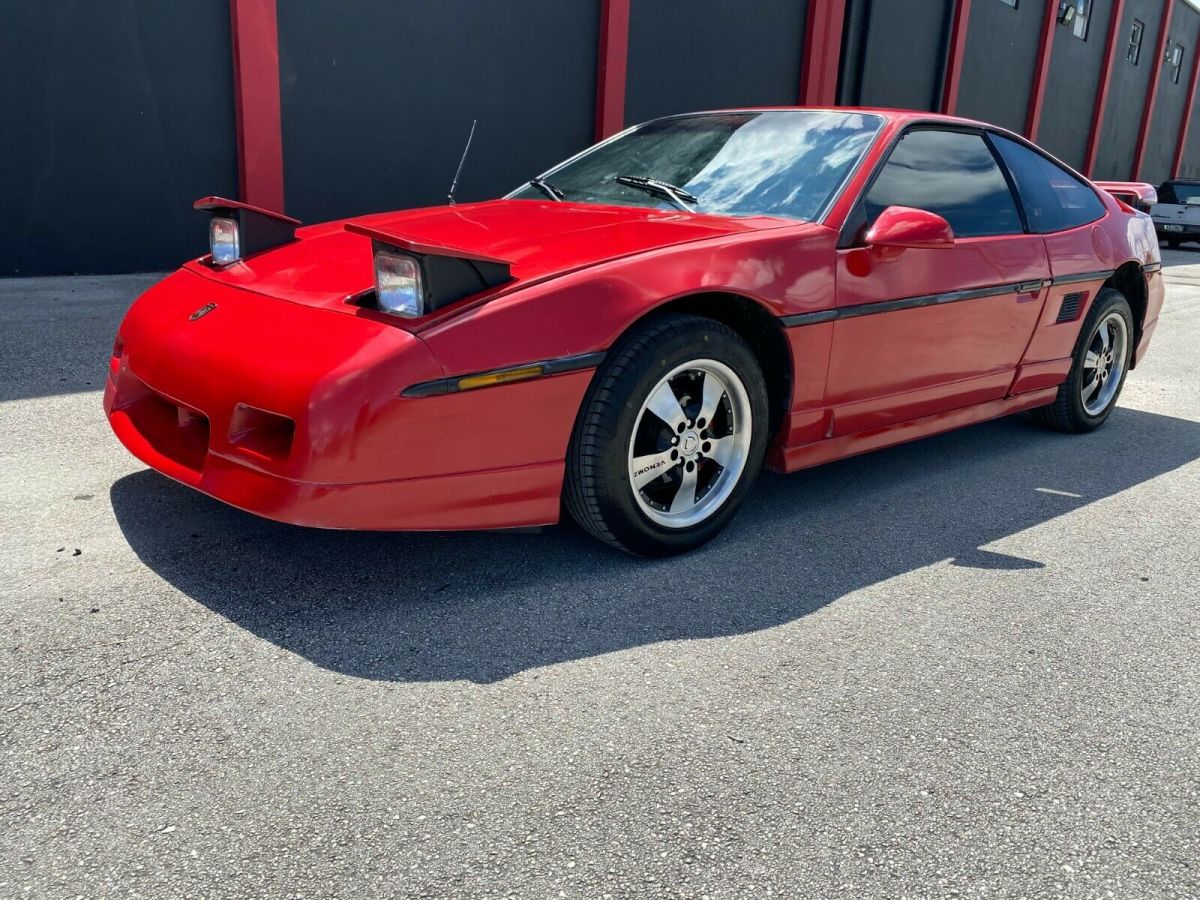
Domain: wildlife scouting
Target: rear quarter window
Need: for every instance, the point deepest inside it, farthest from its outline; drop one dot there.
(1053, 198)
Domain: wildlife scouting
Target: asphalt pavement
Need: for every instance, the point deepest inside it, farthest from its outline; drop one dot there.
(969, 666)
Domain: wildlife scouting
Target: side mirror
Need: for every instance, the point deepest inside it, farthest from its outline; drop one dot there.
(904, 228)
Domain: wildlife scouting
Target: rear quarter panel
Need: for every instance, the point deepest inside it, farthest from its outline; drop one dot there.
(1094, 250)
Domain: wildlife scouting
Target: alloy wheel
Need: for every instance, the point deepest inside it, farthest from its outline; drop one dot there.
(1104, 364)
(690, 443)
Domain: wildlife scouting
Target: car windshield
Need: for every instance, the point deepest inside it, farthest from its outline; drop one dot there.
(787, 163)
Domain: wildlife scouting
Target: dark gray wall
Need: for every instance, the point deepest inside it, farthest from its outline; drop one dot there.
(1127, 94)
(1168, 108)
(686, 55)
(118, 113)
(1191, 154)
(895, 53)
(378, 98)
(116, 116)
(1001, 53)
(1074, 79)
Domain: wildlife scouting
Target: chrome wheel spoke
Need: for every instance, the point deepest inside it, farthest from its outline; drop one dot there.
(1090, 388)
(685, 497)
(664, 404)
(1105, 338)
(713, 392)
(1091, 360)
(722, 450)
(644, 469)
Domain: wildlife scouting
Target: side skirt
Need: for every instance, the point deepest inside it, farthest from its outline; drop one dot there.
(805, 456)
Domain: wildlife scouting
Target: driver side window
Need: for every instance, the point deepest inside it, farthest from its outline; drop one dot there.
(951, 173)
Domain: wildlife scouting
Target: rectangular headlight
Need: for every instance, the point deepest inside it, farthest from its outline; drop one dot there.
(398, 284)
(223, 240)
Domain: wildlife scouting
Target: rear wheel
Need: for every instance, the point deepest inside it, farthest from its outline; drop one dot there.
(670, 437)
(1101, 361)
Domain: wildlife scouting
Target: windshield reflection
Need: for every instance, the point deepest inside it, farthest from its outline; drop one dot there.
(787, 163)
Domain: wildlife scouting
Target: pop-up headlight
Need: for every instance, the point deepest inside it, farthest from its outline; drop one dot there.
(238, 230)
(414, 279)
(398, 286)
(223, 240)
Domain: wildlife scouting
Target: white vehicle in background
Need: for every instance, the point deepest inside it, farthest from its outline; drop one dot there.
(1176, 215)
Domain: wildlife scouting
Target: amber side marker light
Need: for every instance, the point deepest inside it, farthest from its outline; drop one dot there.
(519, 374)
(558, 366)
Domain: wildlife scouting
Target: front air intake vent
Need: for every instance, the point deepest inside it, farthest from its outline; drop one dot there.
(264, 433)
(1071, 304)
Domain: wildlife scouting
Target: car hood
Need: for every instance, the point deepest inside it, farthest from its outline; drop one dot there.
(538, 239)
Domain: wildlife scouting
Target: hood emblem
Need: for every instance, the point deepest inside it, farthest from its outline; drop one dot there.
(202, 311)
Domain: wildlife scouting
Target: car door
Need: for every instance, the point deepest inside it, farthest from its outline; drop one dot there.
(930, 329)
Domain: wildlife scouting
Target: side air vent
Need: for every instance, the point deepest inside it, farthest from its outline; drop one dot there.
(1071, 304)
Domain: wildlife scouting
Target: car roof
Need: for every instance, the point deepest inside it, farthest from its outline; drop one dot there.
(889, 113)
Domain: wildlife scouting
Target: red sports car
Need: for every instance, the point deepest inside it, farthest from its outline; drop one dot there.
(632, 335)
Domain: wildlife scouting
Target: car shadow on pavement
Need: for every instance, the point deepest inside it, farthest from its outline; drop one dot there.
(483, 606)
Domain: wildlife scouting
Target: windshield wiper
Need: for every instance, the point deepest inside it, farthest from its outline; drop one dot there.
(676, 195)
(548, 189)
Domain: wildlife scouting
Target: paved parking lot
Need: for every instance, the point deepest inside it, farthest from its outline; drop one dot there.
(966, 666)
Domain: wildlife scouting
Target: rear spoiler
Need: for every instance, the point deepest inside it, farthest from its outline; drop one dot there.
(1142, 195)
(449, 273)
(258, 229)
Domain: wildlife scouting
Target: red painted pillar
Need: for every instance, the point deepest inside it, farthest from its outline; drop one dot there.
(1139, 155)
(256, 102)
(1181, 146)
(1115, 29)
(1042, 73)
(822, 52)
(611, 64)
(954, 59)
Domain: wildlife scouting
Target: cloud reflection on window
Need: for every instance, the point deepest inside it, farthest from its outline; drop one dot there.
(786, 163)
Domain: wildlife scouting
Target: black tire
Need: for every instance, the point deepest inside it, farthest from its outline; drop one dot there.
(1067, 412)
(598, 492)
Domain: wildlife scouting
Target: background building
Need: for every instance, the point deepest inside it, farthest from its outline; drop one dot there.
(118, 114)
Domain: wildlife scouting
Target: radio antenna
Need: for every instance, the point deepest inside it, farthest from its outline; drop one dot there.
(466, 150)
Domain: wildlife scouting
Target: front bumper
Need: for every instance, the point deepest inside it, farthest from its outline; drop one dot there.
(174, 440)
(295, 414)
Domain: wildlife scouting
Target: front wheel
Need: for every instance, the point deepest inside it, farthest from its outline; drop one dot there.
(1101, 361)
(670, 437)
